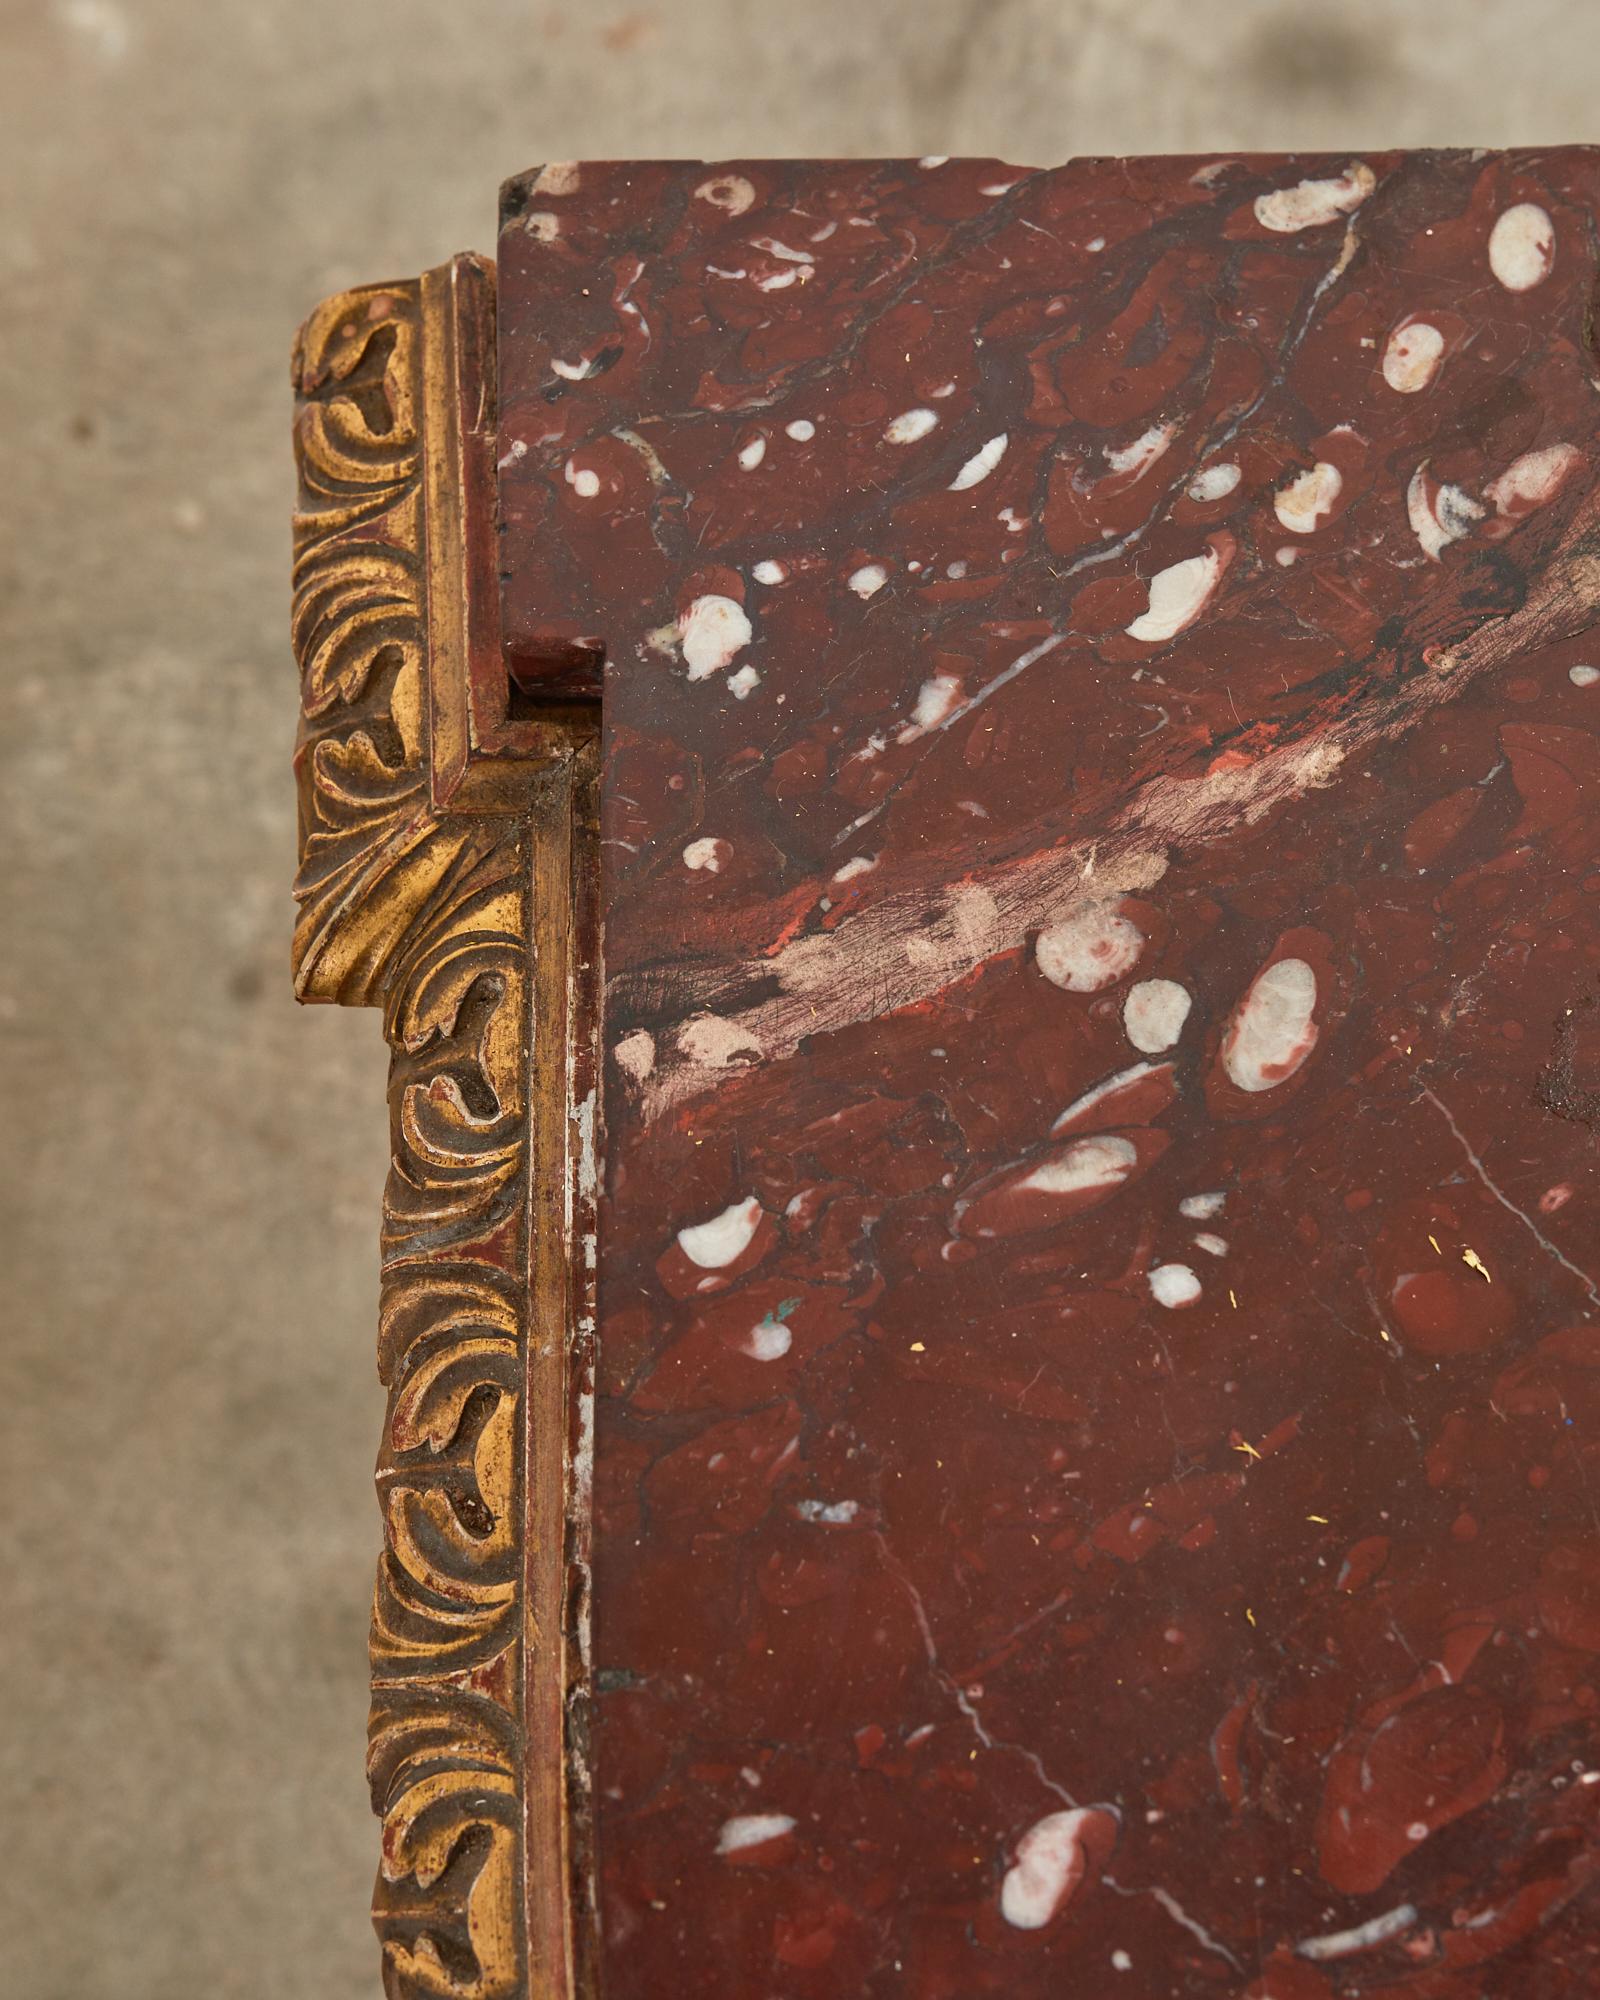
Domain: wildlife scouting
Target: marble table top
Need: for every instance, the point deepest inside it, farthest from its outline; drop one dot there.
(1096, 1479)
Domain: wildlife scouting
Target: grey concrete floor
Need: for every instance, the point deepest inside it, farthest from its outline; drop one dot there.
(193, 1168)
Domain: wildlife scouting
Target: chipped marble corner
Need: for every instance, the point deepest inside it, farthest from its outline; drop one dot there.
(446, 870)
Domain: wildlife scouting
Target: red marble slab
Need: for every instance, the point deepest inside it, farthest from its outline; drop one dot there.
(1097, 1446)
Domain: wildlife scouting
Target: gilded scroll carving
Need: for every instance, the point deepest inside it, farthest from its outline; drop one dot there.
(425, 915)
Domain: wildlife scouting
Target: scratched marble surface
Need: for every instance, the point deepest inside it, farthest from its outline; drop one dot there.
(1095, 1466)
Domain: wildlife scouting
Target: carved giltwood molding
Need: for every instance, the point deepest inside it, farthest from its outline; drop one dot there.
(446, 875)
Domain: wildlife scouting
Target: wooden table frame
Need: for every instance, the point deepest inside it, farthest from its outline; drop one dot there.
(447, 875)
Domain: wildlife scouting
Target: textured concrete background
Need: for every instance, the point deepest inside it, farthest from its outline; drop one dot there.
(193, 1175)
